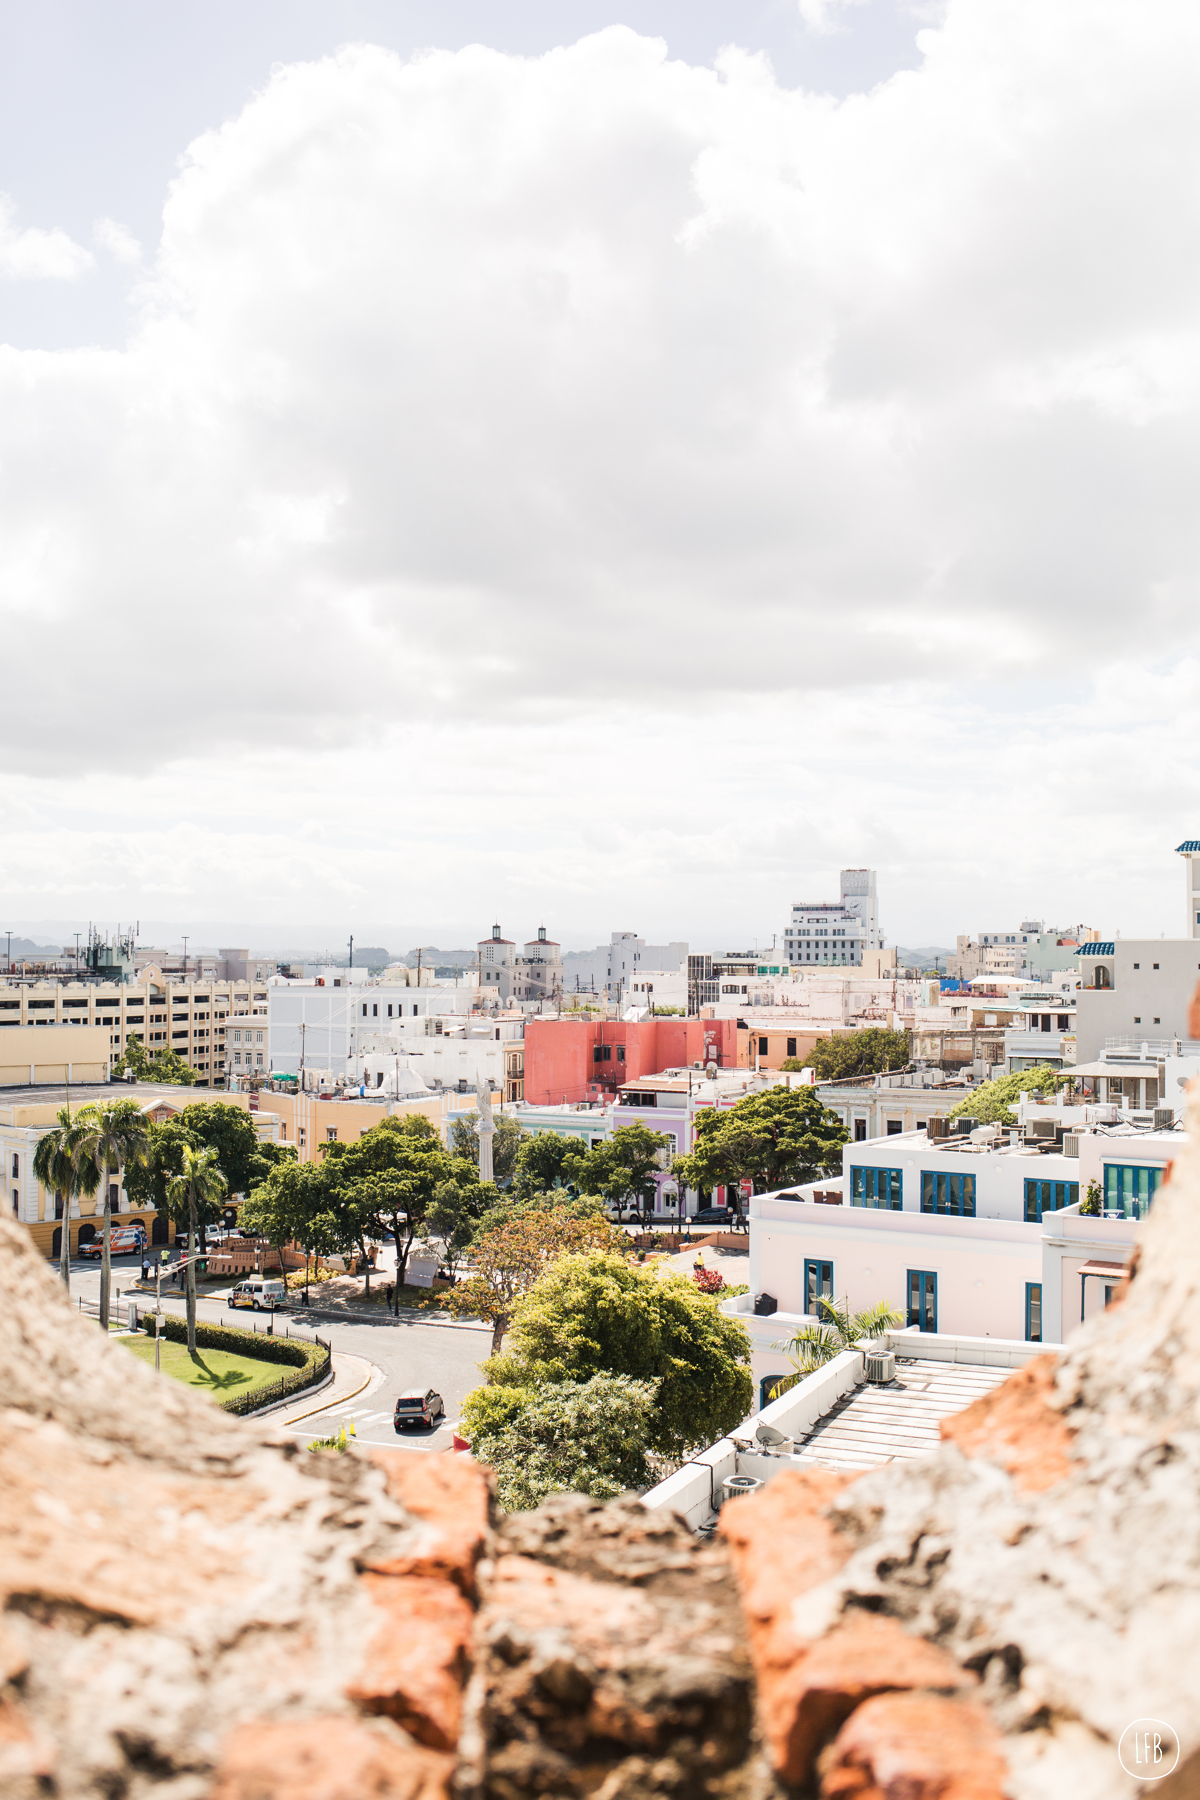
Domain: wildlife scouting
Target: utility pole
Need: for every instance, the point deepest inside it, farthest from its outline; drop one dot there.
(185, 945)
(351, 949)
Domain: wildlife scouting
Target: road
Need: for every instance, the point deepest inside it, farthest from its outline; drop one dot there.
(408, 1354)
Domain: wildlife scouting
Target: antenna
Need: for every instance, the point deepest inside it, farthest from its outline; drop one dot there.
(351, 949)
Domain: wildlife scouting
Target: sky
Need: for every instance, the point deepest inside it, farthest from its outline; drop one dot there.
(595, 466)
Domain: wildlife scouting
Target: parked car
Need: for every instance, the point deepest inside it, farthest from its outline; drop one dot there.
(126, 1240)
(258, 1292)
(420, 1406)
(715, 1215)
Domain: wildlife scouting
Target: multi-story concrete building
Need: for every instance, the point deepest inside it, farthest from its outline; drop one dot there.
(573, 1060)
(193, 1018)
(827, 932)
(314, 1027)
(532, 981)
(1134, 991)
(610, 969)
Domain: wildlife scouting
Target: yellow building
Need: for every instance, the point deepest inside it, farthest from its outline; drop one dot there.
(308, 1122)
(27, 1112)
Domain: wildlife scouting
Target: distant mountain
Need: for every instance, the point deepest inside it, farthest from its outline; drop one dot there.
(925, 957)
(28, 947)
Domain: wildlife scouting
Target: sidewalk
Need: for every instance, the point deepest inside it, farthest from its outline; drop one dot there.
(353, 1376)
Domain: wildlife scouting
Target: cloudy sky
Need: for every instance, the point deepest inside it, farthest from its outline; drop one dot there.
(595, 465)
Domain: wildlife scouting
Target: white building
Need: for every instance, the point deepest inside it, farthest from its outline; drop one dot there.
(826, 932)
(1043, 1031)
(532, 981)
(653, 989)
(320, 1026)
(609, 970)
(1135, 991)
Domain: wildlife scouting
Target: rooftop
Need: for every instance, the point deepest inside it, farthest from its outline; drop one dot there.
(881, 1424)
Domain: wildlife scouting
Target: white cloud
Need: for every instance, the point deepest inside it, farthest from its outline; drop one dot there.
(476, 402)
(824, 16)
(36, 255)
(118, 240)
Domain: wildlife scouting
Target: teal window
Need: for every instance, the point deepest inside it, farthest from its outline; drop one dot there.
(1048, 1196)
(922, 1299)
(818, 1284)
(947, 1193)
(1129, 1189)
(877, 1187)
(1033, 1312)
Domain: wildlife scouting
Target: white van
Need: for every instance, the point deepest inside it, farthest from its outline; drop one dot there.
(257, 1292)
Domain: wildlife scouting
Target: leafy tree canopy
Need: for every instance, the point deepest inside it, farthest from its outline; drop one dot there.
(511, 1255)
(164, 1067)
(624, 1167)
(992, 1100)
(867, 1052)
(598, 1313)
(778, 1137)
(506, 1143)
(586, 1437)
(388, 1180)
(546, 1159)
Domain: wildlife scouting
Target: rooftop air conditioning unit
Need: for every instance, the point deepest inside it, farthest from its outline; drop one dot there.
(1070, 1143)
(937, 1128)
(1042, 1128)
(1164, 1118)
(1142, 1118)
(765, 1305)
(738, 1485)
(964, 1127)
(879, 1366)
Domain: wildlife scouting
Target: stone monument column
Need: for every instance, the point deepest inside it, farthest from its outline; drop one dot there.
(487, 1130)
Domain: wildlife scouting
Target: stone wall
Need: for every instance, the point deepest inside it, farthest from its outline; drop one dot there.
(192, 1609)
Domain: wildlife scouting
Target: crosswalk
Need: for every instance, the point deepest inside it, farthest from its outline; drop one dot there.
(374, 1426)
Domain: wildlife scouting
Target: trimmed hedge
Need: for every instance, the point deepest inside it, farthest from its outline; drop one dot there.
(309, 1362)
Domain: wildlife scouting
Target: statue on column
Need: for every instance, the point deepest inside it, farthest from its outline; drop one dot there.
(487, 1129)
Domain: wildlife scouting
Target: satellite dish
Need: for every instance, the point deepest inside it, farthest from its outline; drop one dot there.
(767, 1434)
(710, 1068)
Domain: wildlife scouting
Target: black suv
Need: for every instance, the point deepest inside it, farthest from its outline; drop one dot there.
(420, 1406)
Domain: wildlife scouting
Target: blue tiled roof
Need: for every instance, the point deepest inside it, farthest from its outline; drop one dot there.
(1192, 844)
(1096, 950)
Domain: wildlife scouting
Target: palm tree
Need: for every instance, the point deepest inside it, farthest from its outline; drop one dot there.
(815, 1345)
(58, 1169)
(200, 1183)
(110, 1135)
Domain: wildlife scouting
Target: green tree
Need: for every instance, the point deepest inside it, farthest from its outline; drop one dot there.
(56, 1165)
(596, 1313)
(164, 1067)
(509, 1258)
(112, 1136)
(199, 1183)
(545, 1160)
(290, 1207)
(991, 1102)
(837, 1329)
(388, 1180)
(624, 1167)
(776, 1138)
(452, 1217)
(506, 1143)
(586, 1437)
(871, 1051)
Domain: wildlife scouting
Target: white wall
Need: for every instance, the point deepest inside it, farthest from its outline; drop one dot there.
(982, 1265)
(1000, 1176)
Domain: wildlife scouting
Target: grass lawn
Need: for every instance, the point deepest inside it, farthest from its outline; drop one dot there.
(218, 1372)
